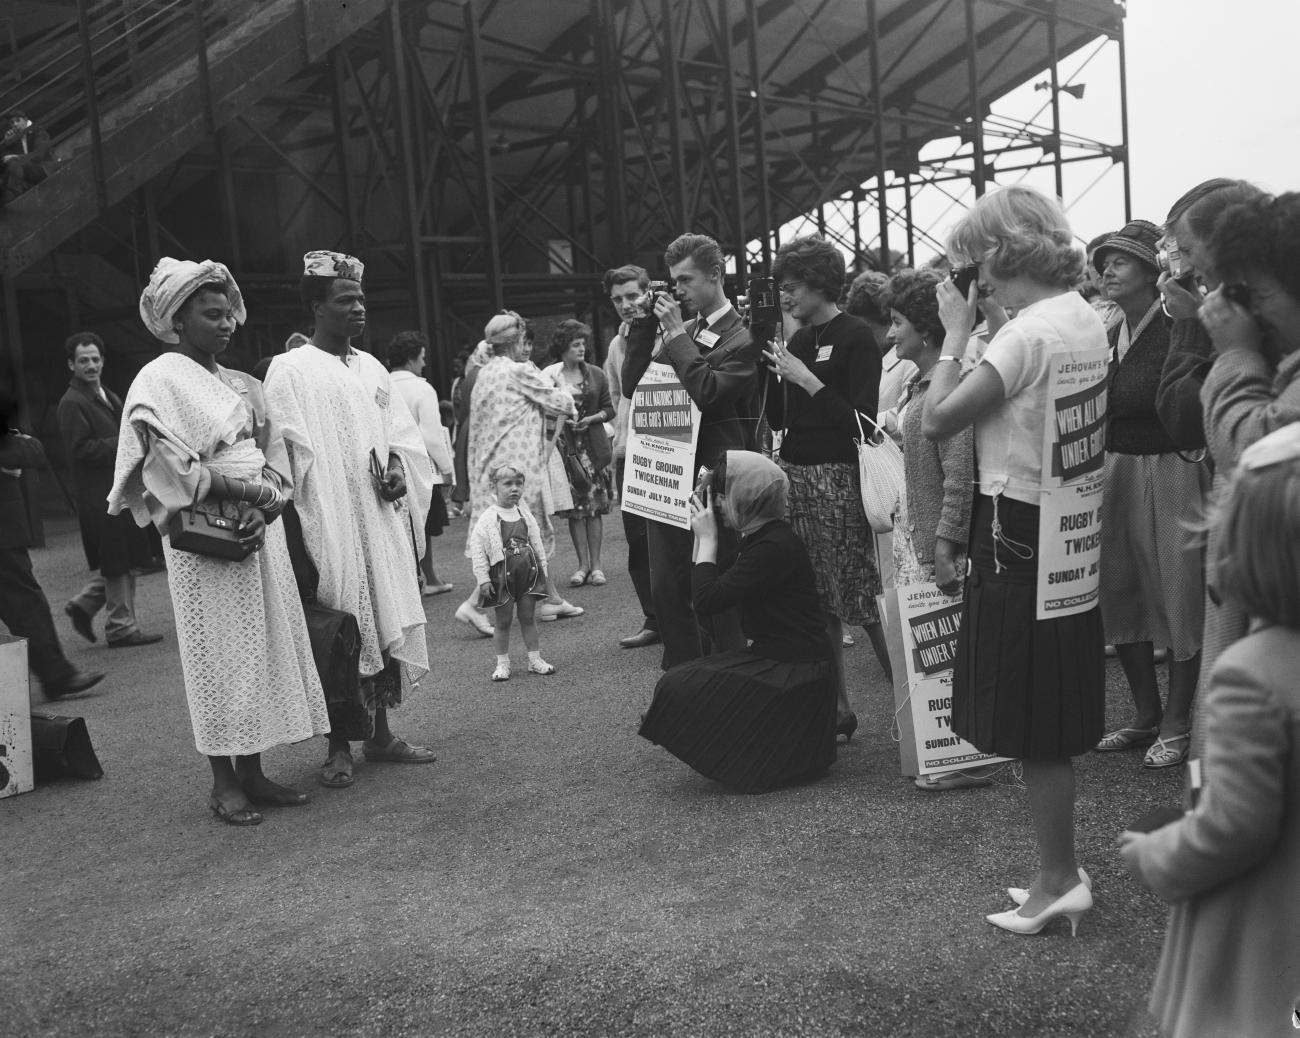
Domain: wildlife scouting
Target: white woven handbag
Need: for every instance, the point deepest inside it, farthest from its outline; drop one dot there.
(880, 466)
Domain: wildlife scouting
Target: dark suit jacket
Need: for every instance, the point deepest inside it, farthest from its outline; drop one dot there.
(17, 529)
(722, 380)
(89, 426)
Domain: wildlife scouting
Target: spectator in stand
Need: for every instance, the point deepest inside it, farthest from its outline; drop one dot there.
(90, 417)
(1152, 583)
(1022, 687)
(586, 444)
(407, 352)
(23, 606)
(831, 368)
(24, 149)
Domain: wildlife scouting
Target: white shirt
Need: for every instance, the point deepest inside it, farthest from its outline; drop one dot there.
(422, 402)
(1009, 440)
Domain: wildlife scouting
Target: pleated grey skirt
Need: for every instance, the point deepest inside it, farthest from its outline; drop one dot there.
(1023, 687)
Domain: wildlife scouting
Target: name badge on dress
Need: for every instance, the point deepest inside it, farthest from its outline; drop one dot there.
(824, 354)
(381, 398)
(707, 339)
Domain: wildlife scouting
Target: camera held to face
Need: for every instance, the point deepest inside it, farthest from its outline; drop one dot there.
(1172, 262)
(645, 303)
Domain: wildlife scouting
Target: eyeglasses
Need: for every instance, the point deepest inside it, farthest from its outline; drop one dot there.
(787, 289)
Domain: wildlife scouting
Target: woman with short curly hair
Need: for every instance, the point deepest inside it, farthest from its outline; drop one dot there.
(1022, 687)
(590, 455)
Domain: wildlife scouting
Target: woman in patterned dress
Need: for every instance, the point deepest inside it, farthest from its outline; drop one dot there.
(586, 437)
(195, 431)
(507, 413)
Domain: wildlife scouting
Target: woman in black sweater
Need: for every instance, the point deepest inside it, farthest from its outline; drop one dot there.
(762, 716)
(830, 367)
(1152, 582)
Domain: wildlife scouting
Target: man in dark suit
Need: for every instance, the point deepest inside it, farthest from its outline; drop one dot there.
(23, 607)
(89, 419)
(716, 361)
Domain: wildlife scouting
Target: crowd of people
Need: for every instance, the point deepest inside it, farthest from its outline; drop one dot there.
(326, 482)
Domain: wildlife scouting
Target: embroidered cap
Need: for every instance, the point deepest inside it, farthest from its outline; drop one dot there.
(323, 264)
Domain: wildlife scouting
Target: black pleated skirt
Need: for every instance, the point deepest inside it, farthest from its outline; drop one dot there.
(746, 721)
(1022, 687)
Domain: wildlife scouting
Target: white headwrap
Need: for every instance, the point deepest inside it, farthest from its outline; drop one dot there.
(172, 282)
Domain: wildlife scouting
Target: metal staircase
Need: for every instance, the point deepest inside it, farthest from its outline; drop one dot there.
(128, 87)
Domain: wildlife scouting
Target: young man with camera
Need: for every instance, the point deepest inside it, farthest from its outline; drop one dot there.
(716, 360)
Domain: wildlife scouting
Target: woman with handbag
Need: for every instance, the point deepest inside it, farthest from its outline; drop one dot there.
(830, 368)
(198, 458)
(587, 451)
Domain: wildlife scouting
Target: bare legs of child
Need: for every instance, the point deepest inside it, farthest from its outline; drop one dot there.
(505, 615)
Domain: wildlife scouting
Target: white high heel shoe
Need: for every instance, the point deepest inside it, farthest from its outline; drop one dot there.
(1072, 904)
(1020, 895)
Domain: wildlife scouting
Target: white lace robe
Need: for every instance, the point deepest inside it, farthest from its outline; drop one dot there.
(250, 678)
(332, 415)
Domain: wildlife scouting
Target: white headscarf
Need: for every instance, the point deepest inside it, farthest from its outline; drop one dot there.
(172, 282)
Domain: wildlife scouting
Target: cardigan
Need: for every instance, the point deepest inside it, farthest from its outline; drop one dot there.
(821, 428)
(940, 480)
(486, 549)
(1245, 400)
(1231, 960)
(1132, 424)
(594, 400)
(1178, 397)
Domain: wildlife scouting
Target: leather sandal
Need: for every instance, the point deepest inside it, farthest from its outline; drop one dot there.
(336, 772)
(1127, 739)
(579, 578)
(1163, 755)
(397, 752)
(239, 816)
(275, 795)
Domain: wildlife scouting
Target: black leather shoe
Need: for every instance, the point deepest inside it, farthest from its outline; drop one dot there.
(641, 639)
(136, 638)
(80, 621)
(76, 682)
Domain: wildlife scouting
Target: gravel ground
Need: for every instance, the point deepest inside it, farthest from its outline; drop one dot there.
(552, 874)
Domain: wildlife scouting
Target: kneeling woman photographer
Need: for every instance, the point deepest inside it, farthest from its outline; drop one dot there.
(763, 716)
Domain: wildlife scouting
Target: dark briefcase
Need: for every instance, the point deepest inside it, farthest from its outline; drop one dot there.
(61, 748)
